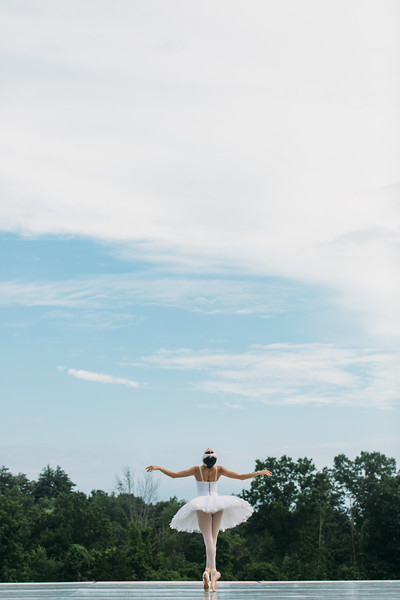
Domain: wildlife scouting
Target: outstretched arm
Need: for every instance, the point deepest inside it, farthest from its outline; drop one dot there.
(242, 476)
(172, 474)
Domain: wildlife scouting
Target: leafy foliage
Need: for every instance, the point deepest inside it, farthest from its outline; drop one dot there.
(339, 523)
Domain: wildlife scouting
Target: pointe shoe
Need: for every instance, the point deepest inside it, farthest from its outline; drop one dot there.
(215, 575)
(206, 579)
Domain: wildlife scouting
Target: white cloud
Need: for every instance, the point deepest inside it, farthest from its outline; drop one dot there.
(256, 138)
(234, 406)
(293, 374)
(101, 378)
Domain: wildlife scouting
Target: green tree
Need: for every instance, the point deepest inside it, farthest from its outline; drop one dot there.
(14, 534)
(41, 567)
(364, 487)
(294, 533)
(52, 483)
(76, 563)
(9, 481)
(139, 553)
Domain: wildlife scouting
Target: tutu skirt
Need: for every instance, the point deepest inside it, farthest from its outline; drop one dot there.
(235, 511)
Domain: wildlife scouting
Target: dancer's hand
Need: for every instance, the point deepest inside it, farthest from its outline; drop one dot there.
(266, 472)
(151, 468)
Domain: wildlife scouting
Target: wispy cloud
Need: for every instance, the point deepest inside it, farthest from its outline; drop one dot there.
(192, 294)
(234, 406)
(293, 374)
(101, 378)
(96, 319)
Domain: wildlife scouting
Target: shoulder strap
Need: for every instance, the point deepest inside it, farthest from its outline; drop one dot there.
(201, 474)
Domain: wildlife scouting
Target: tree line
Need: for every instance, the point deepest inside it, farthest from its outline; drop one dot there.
(337, 523)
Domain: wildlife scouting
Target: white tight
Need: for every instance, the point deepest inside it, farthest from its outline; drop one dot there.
(209, 526)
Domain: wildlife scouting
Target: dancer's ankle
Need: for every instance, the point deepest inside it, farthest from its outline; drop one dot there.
(215, 575)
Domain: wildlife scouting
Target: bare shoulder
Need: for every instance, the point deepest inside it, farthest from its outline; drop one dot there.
(186, 472)
(195, 471)
(192, 470)
(226, 472)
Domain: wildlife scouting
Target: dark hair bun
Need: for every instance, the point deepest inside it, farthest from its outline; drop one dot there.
(209, 461)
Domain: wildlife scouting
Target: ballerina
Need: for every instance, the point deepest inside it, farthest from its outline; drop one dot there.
(209, 513)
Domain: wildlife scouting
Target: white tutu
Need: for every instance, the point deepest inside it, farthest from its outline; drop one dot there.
(235, 510)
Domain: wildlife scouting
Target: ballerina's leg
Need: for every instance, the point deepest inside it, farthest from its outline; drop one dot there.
(205, 525)
(216, 525)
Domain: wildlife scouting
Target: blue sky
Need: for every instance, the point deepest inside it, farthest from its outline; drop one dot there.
(200, 235)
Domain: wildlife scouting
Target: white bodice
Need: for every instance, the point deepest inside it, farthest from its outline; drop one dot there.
(206, 488)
